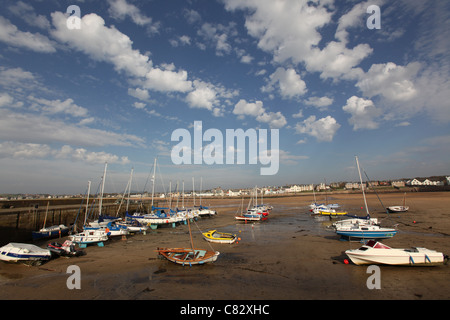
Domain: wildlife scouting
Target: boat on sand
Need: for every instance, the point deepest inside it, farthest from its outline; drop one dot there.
(219, 237)
(24, 252)
(374, 252)
(188, 256)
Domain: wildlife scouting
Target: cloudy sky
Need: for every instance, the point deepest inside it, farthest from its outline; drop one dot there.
(115, 87)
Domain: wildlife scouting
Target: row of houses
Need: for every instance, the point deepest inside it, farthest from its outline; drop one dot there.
(297, 188)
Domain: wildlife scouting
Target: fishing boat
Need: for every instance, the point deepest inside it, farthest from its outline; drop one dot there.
(67, 249)
(396, 209)
(219, 237)
(50, 232)
(374, 252)
(188, 256)
(24, 252)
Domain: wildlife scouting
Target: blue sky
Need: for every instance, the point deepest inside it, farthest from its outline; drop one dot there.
(115, 89)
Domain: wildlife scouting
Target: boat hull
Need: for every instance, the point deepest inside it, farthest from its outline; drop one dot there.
(18, 252)
(250, 218)
(219, 237)
(51, 232)
(384, 255)
(89, 237)
(331, 213)
(379, 234)
(395, 209)
(186, 256)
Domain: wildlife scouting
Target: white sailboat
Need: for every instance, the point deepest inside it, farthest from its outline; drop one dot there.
(363, 228)
(158, 216)
(50, 232)
(90, 236)
(402, 208)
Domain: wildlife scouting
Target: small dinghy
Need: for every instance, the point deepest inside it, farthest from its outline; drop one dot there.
(402, 208)
(67, 249)
(374, 252)
(188, 256)
(24, 252)
(219, 237)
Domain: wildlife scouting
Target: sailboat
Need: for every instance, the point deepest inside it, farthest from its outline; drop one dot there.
(361, 228)
(91, 236)
(188, 256)
(50, 232)
(158, 215)
(252, 214)
(403, 208)
(202, 210)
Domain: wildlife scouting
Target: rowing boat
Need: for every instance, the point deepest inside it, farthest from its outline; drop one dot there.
(188, 256)
(219, 237)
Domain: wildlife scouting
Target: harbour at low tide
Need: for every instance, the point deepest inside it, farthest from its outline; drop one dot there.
(291, 256)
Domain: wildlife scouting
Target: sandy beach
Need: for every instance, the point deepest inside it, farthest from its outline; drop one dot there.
(292, 256)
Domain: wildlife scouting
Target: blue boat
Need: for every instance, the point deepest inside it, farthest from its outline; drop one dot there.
(50, 232)
(364, 230)
(23, 252)
(357, 231)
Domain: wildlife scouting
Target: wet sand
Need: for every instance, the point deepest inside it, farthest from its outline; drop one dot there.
(292, 256)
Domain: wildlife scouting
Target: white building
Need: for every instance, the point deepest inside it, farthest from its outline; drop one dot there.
(301, 188)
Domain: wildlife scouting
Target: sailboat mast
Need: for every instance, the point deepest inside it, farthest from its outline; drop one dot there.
(201, 181)
(129, 188)
(362, 188)
(193, 191)
(87, 202)
(190, 235)
(46, 212)
(103, 189)
(153, 179)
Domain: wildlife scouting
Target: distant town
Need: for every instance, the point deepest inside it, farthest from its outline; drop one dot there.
(436, 181)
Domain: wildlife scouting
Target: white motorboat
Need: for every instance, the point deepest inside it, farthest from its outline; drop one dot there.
(24, 252)
(374, 252)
